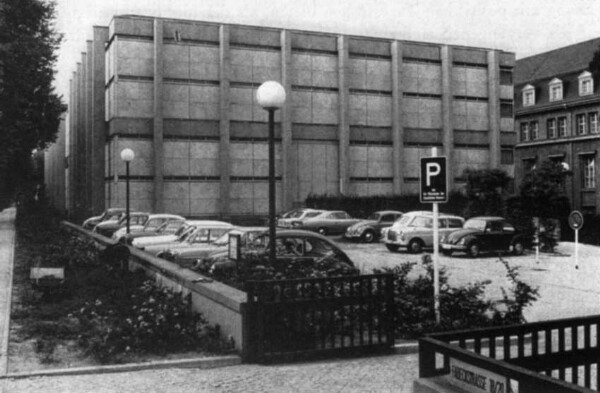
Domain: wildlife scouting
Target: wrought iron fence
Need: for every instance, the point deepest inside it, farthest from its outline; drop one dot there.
(291, 319)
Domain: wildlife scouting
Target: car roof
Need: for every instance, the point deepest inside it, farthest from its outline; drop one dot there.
(487, 218)
(209, 222)
(166, 215)
(248, 229)
(388, 212)
(430, 214)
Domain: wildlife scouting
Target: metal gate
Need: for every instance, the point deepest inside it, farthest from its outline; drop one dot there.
(287, 320)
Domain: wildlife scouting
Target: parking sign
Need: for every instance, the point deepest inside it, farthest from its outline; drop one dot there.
(433, 180)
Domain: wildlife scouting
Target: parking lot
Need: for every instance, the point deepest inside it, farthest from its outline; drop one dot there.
(561, 281)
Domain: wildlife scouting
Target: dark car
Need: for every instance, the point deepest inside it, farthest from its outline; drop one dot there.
(112, 213)
(291, 245)
(484, 234)
(369, 230)
(108, 228)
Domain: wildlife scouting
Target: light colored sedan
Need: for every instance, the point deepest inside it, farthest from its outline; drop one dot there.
(154, 222)
(325, 222)
(203, 233)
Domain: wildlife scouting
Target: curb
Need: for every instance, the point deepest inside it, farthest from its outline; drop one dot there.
(408, 348)
(201, 363)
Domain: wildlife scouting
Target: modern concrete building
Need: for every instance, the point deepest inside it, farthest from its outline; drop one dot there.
(360, 112)
(556, 115)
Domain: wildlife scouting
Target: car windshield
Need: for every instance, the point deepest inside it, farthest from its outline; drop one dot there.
(475, 224)
(404, 221)
(296, 214)
(374, 216)
(222, 241)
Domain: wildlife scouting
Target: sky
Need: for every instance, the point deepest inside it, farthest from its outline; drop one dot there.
(525, 27)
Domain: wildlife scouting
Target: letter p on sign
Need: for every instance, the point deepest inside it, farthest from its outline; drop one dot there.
(433, 180)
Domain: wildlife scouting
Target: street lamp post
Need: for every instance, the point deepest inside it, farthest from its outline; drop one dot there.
(127, 155)
(271, 96)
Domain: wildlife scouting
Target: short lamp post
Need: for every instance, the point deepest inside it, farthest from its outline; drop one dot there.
(127, 155)
(271, 96)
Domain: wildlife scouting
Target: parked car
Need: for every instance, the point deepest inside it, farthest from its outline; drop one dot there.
(292, 218)
(108, 228)
(111, 213)
(369, 230)
(325, 222)
(292, 244)
(202, 234)
(191, 256)
(158, 239)
(485, 234)
(414, 230)
(154, 222)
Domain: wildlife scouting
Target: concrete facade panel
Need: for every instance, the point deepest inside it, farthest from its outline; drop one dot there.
(204, 111)
(477, 82)
(136, 66)
(358, 168)
(204, 167)
(371, 188)
(176, 149)
(379, 111)
(204, 207)
(204, 94)
(208, 150)
(135, 49)
(205, 190)
(507, 124)
(379, 74)
(177, 190)
(357, 69)
(357, 109)
(477, 116)
(176, 166)
(506, 92)
(179, 206)
(176, 109)
(430, 85)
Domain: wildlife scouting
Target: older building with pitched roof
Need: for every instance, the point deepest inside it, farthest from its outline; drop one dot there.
(557, 104)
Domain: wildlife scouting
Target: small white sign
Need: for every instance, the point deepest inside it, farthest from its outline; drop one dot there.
(477, 380)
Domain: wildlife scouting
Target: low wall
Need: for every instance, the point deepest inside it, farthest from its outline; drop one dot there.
(220, 304)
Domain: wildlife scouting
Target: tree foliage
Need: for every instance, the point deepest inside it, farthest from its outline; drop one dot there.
(486, 189)
(594, 66)
(542, 191)
(30, 109)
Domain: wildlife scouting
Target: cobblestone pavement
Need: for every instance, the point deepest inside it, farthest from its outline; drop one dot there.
(391, 373)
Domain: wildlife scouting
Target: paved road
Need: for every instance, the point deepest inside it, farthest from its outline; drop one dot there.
(394, 373)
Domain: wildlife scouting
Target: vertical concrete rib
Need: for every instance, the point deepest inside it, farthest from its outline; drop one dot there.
(287, 159)
(70, 146)
(343, 124)
(224, 123)
(79, 144)
(397, 121)
(89, 163)
(447, 124)
(494, 107)
(99, 127)
(158, 117)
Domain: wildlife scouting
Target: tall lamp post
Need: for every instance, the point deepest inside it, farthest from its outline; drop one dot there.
(271, 96)
(127, 155)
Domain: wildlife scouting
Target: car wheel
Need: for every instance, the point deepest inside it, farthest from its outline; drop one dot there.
(518, 248)
(473, 250)
(415, 246)
(392, 247)
(322, 231)
(368, 236)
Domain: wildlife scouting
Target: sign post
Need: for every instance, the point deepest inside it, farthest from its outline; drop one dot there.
(576, 222)
(434, 190)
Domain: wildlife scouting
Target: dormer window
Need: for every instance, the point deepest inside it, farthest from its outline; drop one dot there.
(556, 89)
(586, 83)
(528, 95)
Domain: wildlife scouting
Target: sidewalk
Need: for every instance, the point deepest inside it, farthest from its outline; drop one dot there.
(7, 245)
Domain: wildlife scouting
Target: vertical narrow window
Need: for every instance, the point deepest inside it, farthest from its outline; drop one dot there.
(551, 128)
(593, 119)
(507, 156)
(588, 167)
(581, 124)
(534, 130)
(524, 132)
(562, 126)
(528, 95)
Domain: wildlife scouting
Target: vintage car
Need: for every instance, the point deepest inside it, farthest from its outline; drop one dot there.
(325, 222)
(154, 222)
(291, 245)
(414, 230)
(369, 230)
(108, 228)
(292, 218)
(485, 234)
(159, 239)
(191, 256)
(111, 213)
(201, 235)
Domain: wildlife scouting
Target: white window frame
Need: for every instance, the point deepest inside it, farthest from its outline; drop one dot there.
(528, 95)
(556, 90)
(562, 127)
(586, 83)
(588, 167)
(525, 135)
(551, 124)
(593, 122)
(534, 130)
(581, 122)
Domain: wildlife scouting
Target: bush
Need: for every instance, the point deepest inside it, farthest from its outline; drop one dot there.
(460, 307)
